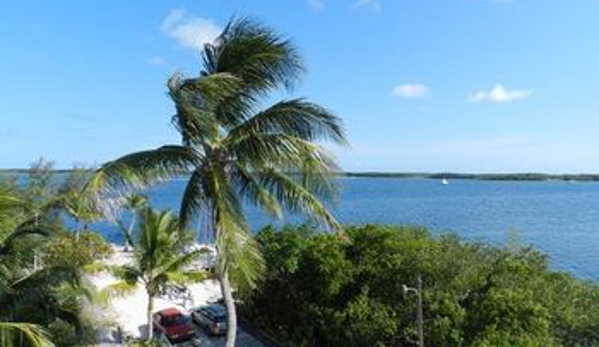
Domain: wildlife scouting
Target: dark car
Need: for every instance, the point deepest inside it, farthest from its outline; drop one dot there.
(173, 324)
(213, 318)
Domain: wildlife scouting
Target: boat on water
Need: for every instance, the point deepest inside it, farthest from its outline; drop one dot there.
(444, 181)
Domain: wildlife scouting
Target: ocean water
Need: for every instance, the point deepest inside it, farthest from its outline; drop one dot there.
(559, 218)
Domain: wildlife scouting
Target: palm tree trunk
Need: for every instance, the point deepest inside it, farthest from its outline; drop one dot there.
(150, 309)
(77, 230)
(128, 241)
(225, 288)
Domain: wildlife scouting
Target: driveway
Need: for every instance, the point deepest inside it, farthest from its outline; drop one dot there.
(243, 339)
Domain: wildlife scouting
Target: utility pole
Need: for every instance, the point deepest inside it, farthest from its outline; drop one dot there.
(35, 258)
(420, 313)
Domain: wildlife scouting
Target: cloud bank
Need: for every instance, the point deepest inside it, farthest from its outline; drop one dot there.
(189, 31)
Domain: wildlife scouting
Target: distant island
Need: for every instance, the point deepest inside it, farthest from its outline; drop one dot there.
(524, 176)
(481, 177)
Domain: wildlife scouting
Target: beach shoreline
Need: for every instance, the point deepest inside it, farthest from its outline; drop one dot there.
(126, 315)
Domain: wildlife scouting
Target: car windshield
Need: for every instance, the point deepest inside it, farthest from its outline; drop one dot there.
(219, 319)
(175, 320)
(214, 315)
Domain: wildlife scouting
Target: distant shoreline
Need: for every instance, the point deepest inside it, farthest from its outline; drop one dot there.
(479, 177)
(523, 176)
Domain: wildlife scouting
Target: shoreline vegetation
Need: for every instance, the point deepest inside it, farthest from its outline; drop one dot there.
(516, 176)
(349, 291)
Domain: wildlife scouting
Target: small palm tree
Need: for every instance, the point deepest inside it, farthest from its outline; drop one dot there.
(76, 202)
(134, 203)
(162, 258)
(237, 151)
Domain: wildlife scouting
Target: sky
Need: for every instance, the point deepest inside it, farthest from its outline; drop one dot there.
(421, 85)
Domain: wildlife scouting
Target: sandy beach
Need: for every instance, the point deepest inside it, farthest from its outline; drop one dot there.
(129, 311)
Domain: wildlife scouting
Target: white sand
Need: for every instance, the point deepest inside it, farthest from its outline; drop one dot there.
(129, 312)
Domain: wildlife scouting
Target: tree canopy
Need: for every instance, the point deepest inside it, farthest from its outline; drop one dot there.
(347, 291)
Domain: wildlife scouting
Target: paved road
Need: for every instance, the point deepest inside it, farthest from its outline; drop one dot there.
(243, 339)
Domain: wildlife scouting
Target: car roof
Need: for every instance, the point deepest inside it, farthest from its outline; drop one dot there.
(170, 312)
(214, 309)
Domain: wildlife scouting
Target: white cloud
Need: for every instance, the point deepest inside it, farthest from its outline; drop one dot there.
(500, 94)
(374, 4)
(316, 5)
(156, 61)
(411, 91)
(189, 31)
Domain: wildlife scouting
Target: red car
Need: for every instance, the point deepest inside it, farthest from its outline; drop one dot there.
(173, 324)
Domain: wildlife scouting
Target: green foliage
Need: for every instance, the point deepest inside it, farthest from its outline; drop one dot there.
(143, 343)
(238, 149)
(65, 248)
(163, 254)
(41, 294)
(163, 258)
(346, 290)
(18, 334)
(75, 201)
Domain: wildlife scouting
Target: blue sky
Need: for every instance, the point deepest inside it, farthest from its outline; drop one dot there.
(422, 85)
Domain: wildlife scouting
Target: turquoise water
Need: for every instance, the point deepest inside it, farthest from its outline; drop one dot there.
(558, 218)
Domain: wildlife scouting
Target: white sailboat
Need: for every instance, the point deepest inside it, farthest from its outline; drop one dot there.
(444, 181)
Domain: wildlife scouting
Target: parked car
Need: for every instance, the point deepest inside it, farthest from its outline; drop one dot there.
(212, 318)
(173, 324)
(163, 341)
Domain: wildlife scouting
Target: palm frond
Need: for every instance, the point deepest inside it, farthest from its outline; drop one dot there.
(194, 201)
(13, 334)
(197, 100)
(295, 197)
(298, 118)
(239, 254)
(176, 263)
(249, 187)
(8, 201)
(278, 151)
(28, 228)
(254, 53)
(116, 180)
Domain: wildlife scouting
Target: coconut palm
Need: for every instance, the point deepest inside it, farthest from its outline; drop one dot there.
(162, 258)
(237, 150)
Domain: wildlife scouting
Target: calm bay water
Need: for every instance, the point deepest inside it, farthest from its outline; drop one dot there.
(558, 218)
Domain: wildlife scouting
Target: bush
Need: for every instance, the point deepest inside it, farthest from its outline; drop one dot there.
(65, 249)
(346, 290)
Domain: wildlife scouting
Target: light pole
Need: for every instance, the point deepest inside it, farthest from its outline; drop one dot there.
(420, 314)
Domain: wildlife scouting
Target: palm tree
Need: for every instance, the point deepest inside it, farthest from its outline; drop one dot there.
(134, 203)
(162, 258)
(238, 151)
(24, 288)
(14, 331)
(76, 202)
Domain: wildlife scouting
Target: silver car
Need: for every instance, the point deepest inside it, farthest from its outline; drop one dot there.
(212, 318)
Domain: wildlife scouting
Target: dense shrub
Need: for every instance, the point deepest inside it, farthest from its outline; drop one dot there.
(66, 248)
(346, 290)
